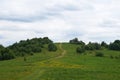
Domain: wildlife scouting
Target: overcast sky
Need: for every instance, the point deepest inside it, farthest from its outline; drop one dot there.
(60, 20)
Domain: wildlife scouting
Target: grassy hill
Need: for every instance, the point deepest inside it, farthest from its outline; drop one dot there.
(64, 64)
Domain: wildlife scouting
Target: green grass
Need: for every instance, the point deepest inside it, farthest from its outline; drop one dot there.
(72, 66)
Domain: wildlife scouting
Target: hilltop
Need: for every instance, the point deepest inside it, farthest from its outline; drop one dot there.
(68, 62)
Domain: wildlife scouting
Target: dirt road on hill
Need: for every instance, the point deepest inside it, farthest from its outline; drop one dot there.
(63, 51)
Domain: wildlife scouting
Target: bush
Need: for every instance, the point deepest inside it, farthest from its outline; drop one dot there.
(6, 54)
(103, 44)
(80, 50)
(28, 46)
(76, 41)
(116, 57)
(93, 46)
(52, 47)
(115, 45)
(99, 54)
(111, 57)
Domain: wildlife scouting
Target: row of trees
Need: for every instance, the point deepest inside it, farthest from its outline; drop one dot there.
(28, 47)
(95, 46)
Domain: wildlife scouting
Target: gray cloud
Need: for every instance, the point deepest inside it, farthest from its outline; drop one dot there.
(61, 20)
(19, 13)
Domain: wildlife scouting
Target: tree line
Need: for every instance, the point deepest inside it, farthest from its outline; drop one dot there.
(26, 47)
(95, 46)
(35, 45)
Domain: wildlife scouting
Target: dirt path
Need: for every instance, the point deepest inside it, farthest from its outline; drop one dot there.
(63, 51)
(38, 71)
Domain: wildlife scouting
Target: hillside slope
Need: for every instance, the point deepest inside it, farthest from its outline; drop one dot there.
(64, 64)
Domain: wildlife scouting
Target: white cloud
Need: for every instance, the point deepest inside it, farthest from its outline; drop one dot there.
(61, 20)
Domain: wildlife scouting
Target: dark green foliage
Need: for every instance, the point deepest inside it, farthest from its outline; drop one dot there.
(116, 57)
(1, 46)
(80, 50)
(97, 46)
(76, 41)
(52, 47)
(25, 59)
(111, 57)
(29, 46)
(25, 47)
(89, 46)
(6, 54)
(46, 40)
(99, 54)
(115, 45)
(103, 44)
(81, 43)
(93, 46)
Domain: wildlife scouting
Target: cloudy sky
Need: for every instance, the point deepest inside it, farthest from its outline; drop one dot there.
(60, 20)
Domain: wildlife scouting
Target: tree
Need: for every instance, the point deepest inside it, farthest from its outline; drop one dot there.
(115, 45)
(74, 41)
(29, 46)
(81, 43)
(103, 44)
(93, 46)
(52, 47)
(89, 46)
(46, 40)
(26, 47)
(97, 46)
(1, 47)
(6, 54)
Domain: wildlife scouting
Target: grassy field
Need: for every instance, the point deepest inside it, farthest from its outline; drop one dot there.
(65, 64)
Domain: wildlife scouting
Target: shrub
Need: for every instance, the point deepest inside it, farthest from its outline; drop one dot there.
(115, 45)
(52, 47)
(111, 57)
(80, 50)
(93, 46)
(76, 41)
(116, 57)
(99, 54)
(6, 54)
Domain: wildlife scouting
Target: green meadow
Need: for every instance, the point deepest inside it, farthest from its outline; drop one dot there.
(64, 64)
